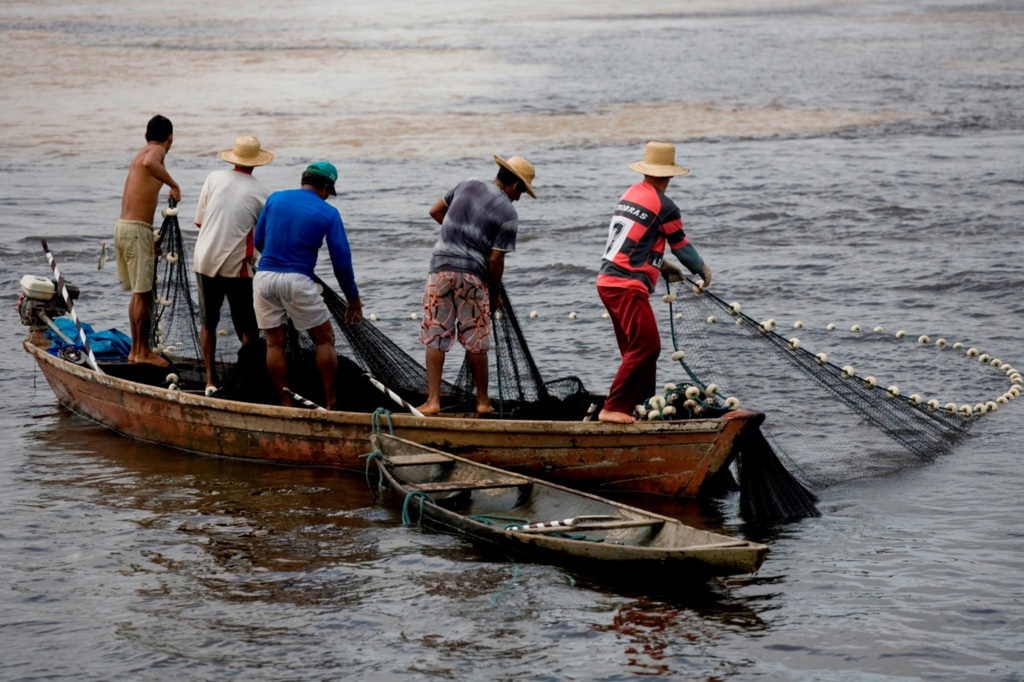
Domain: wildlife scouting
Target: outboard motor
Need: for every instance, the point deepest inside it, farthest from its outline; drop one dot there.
(40, 302)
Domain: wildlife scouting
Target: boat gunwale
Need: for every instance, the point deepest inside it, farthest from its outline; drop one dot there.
(399, 419)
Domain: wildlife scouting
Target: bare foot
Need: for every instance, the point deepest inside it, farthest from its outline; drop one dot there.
(484, 408)
(151, 359)
(615, 417)
(429, 409)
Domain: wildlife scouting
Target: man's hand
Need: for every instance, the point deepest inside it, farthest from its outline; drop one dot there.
(705, 273)
(354, 311)
(175, 194)
(671, 272)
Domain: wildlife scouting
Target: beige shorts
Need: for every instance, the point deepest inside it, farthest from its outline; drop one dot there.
(133, 248)
(278, 296)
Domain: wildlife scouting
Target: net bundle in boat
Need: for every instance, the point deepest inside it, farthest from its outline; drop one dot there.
(834, 403)
(516, 386)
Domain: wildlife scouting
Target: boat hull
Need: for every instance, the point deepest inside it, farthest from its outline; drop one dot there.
(577, 530)
(675, 458)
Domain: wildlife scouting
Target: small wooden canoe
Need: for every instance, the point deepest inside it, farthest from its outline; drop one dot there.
(543, 521)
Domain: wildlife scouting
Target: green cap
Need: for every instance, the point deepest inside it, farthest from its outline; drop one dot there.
(325, 170)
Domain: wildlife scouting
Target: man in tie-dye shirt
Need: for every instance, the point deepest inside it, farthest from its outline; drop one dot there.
(478, 227)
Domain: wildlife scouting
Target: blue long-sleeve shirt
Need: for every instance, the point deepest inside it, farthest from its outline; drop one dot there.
(292, 228)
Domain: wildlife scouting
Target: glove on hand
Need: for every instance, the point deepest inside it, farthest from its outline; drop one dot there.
(705, 273)
(671, 272)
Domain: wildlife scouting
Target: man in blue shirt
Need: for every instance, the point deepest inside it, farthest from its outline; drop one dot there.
(289, 233)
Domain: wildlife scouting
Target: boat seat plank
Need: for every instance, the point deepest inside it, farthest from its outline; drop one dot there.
(448, 486)
(419, 459)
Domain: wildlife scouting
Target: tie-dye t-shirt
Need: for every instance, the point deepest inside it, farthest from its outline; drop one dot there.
(480, 218)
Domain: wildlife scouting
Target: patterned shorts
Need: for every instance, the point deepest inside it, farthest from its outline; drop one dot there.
(456, 303)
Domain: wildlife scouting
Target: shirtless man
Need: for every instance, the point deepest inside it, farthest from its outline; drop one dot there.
(133, 233)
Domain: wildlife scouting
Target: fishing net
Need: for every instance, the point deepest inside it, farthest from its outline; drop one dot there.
(174, 329)
(520, 390)
(829, 421)
(362, 349)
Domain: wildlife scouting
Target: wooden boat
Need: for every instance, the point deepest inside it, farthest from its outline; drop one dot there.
(529, 517)
(676, 458)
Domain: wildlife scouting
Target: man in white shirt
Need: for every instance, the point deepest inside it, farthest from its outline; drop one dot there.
(229, 205)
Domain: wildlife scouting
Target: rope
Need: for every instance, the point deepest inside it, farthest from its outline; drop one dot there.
(375, 421)
(419, 496)
(372, 457)
(375, 455)
(509, 585)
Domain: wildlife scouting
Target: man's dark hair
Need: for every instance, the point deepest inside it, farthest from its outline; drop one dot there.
(316, 180)
(159, 129)
(508, 178)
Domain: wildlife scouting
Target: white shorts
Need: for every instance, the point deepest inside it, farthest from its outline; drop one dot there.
(277, 296)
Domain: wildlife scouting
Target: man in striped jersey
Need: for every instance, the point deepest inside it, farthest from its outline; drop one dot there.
(643, 222)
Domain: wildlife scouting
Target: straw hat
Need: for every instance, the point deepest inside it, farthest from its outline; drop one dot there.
(521, 168)
(659, 161)
(247, 152)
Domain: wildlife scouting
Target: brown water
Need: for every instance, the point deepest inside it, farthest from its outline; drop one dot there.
(851, 163)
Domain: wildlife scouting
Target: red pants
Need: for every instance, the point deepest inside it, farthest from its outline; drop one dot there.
(640, 344)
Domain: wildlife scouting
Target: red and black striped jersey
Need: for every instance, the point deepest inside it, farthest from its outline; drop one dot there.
(644, 220)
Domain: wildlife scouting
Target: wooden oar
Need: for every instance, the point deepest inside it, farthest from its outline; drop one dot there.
(71, 308)
(603, 522)
(394, 396)
(308, 403)
(591, 526)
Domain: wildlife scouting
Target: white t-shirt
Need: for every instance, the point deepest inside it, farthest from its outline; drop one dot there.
(229, 205)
